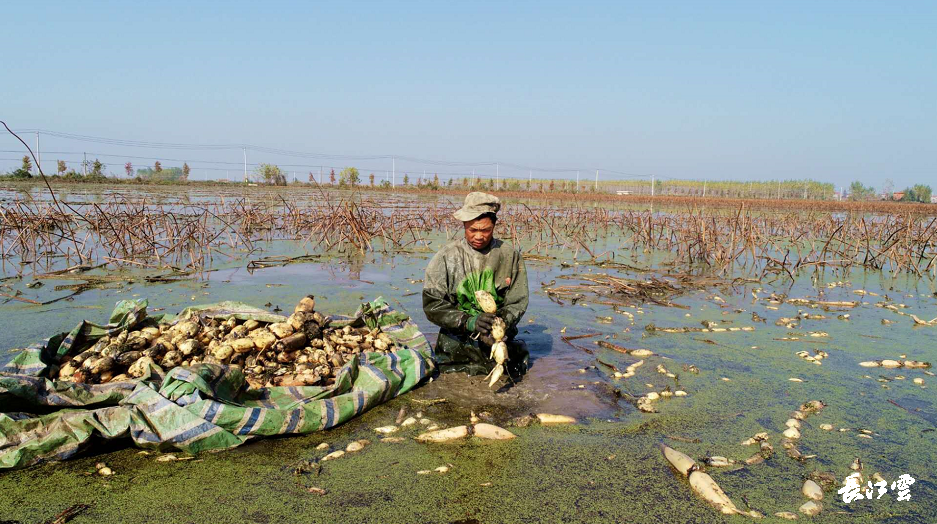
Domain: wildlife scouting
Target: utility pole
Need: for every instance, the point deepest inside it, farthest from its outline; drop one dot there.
(84, 165)
(320, 175)
(530, 177)
(652, 185)
(38, 154)
(779, 190)
(805, 190)
(497, 175)
(704, 189)
(244, 150)
(393, 161)
(596, 179)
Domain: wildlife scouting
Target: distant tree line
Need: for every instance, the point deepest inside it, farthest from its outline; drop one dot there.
(160, 174)
(915, 193)
(93, 171)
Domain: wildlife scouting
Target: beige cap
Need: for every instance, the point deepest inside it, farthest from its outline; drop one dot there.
(476, 205)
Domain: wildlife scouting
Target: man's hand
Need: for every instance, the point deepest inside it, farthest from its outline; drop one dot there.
(483, 323)
(488, 340)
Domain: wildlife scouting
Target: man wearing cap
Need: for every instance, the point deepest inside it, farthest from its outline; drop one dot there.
(476, 261)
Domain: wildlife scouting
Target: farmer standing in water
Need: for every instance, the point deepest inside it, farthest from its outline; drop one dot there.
(476, 261)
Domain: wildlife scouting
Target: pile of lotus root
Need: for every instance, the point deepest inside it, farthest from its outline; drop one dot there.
(302, 351)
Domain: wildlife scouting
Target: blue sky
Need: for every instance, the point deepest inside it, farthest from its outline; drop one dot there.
(836, 91)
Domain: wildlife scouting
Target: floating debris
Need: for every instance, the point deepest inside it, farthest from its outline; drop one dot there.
(663, 371)
(640, 353)
(718, 462)
(547, 419)
(651, 328)
(492, 432)
(307, 466)
(444, 435)
(828, 303)
(334, 455)
(812, 490)
(811, 508)
(813, 406)
(758, 437)
(826, 480)
(700, 482)
(401, 415)
(815, 358)
(889, 363)
(357, 445)
(919, 322)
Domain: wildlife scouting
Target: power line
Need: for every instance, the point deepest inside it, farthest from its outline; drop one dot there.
(300, 154)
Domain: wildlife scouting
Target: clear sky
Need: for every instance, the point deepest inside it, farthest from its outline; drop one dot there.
(835, 91)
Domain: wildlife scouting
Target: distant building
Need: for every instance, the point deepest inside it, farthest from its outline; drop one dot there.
(933, 199)
(897, 195)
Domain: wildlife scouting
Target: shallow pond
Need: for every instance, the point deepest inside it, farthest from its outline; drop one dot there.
(607, 468)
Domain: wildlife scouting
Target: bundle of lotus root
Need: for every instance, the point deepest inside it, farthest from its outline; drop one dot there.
(499, 350)
(302, 351)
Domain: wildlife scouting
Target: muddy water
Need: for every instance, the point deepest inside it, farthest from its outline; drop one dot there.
(605, 469)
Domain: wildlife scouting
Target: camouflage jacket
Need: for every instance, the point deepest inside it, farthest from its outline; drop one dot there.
(458, 270)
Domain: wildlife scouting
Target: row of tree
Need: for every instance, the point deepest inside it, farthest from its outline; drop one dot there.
(94, 169)
(350, 177)
(915, 193)
(159, 174)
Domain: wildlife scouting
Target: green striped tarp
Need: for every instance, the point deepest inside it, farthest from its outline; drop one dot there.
(203, 407)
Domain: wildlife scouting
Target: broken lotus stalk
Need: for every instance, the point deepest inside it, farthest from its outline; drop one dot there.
(499, 350)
